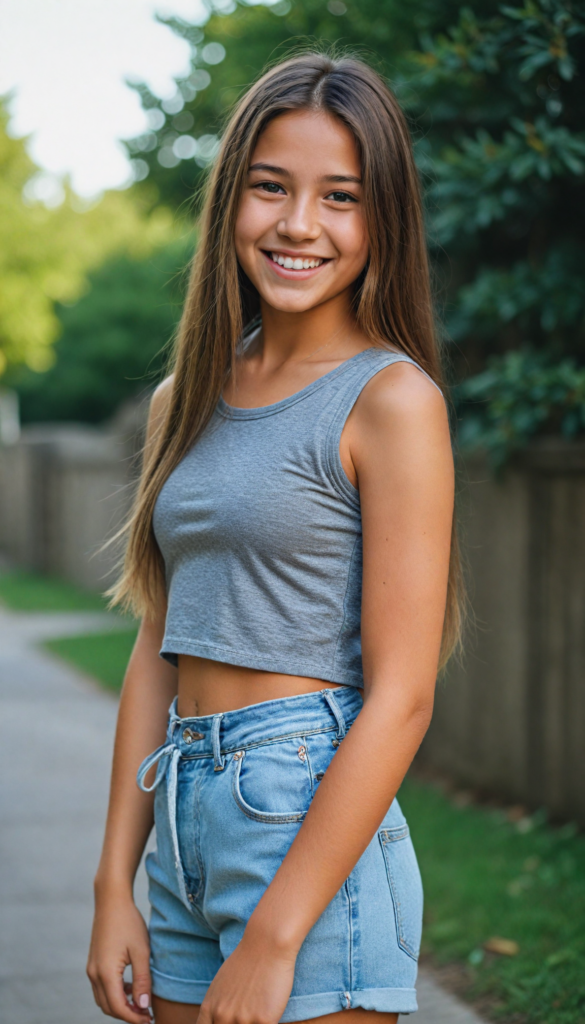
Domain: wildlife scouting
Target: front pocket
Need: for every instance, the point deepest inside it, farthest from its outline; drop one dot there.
(405, 886)
(271, 783)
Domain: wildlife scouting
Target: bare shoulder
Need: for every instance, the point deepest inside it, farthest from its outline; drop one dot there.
(401, 396)
(161, 396)
(159, 404)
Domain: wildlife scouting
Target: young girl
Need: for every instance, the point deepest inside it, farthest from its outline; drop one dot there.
(291, 556)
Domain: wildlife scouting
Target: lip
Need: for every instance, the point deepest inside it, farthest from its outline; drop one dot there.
(294, 275)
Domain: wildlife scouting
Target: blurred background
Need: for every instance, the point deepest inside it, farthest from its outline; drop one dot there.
(110, 115)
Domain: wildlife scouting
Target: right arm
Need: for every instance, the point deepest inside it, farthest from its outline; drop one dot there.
(119, 935)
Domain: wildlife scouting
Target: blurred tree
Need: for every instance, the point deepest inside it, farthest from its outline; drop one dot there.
(230, 50)
(502, 108)
(112, 339)
(497, 108)
(45, 253)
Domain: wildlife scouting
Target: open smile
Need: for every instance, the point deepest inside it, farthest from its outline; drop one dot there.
(294, 267)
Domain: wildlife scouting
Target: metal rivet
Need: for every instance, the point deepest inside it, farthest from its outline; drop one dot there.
(319, 776)
(189, 736)
(190, 897)
(238, 755)
(302, 752)
(336, 743)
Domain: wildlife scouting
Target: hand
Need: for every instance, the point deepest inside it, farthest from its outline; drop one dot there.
(251, 987)
(120, 938)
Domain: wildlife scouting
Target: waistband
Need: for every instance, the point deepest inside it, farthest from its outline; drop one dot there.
(301, 715)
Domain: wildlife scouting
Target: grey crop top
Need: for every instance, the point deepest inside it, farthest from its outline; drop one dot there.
(260, 531)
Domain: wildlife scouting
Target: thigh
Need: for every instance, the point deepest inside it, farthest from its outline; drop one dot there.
(182, 1013)
(165, 1012)
(358, 1016)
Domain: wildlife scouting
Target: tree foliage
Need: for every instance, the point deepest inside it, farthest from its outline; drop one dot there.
(45, 254)
(497, 106)
(112, 343)
(503, 158)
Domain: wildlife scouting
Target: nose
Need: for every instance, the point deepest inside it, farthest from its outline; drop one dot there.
(299, 222)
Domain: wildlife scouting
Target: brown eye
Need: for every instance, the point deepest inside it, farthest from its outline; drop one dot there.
(270, 186)
(341, 197)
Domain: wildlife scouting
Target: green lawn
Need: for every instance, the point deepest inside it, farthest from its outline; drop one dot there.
(30, 592)
(101, 655)
(486, 877)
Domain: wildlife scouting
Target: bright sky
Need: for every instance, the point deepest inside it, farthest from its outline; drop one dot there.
(67, 61)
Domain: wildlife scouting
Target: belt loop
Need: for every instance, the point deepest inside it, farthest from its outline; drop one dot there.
(218, 760)
(337, 713)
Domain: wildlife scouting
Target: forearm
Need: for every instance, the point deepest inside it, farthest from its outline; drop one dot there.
(356, 792)
(148, 690)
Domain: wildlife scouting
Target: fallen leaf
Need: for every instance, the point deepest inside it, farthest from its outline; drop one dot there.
(504, 947)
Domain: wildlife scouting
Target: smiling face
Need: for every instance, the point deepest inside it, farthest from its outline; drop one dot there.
(300, 232)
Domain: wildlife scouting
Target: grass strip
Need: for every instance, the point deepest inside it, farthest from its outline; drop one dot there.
(101, 655)
(488, 877)
(23, 591)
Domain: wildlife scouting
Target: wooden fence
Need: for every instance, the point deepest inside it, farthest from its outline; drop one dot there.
(510, 718)
(64, 490)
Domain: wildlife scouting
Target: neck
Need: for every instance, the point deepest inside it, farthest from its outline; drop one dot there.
(296, 335)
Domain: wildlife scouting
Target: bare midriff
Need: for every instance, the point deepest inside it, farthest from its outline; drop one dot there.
(212, 687)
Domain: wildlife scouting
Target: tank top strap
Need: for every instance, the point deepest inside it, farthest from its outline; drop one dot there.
(372, 361)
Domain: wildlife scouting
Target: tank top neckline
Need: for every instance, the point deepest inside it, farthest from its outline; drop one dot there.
(236, 412)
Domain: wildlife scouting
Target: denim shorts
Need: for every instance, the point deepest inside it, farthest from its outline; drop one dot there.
(231, 794)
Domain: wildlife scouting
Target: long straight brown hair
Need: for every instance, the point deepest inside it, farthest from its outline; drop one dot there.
(392, 296)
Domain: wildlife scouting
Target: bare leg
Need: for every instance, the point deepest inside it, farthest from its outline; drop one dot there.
(166, 1012)
(182, 1013)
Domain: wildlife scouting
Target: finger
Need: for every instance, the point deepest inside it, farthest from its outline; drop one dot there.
(118, 1003)
(101, 998)
(97, 988)
(141, 983)
(98, 992)
(204, 1016)
(128, 991)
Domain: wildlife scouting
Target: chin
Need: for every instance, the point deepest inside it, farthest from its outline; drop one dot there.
(290, 303)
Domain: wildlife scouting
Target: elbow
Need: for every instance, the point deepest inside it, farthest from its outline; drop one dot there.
(422, 713)
(415, 710)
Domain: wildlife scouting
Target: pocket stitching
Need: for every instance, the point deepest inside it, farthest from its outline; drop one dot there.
(394, 835)
(269, 817)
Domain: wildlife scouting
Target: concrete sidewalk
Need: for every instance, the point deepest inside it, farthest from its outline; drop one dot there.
(56, 731)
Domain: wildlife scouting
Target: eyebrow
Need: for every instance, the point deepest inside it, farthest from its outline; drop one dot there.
(286, 174)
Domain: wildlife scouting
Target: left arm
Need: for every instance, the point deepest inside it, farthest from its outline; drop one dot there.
(397, 443)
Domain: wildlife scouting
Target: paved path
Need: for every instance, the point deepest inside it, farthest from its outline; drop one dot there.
(56, 733)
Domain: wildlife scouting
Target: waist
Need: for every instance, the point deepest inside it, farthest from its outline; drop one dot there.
(302, 715)
(209, 687)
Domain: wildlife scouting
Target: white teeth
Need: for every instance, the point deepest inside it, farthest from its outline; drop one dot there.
(295, 264)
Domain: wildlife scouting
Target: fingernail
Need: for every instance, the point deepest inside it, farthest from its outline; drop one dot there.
(143, 1002)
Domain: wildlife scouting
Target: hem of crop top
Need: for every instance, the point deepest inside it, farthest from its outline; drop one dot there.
(173, 646)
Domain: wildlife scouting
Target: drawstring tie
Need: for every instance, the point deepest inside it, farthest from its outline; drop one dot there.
(166, 759)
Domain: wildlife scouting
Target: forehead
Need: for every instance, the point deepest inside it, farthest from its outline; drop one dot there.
(308, 141)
